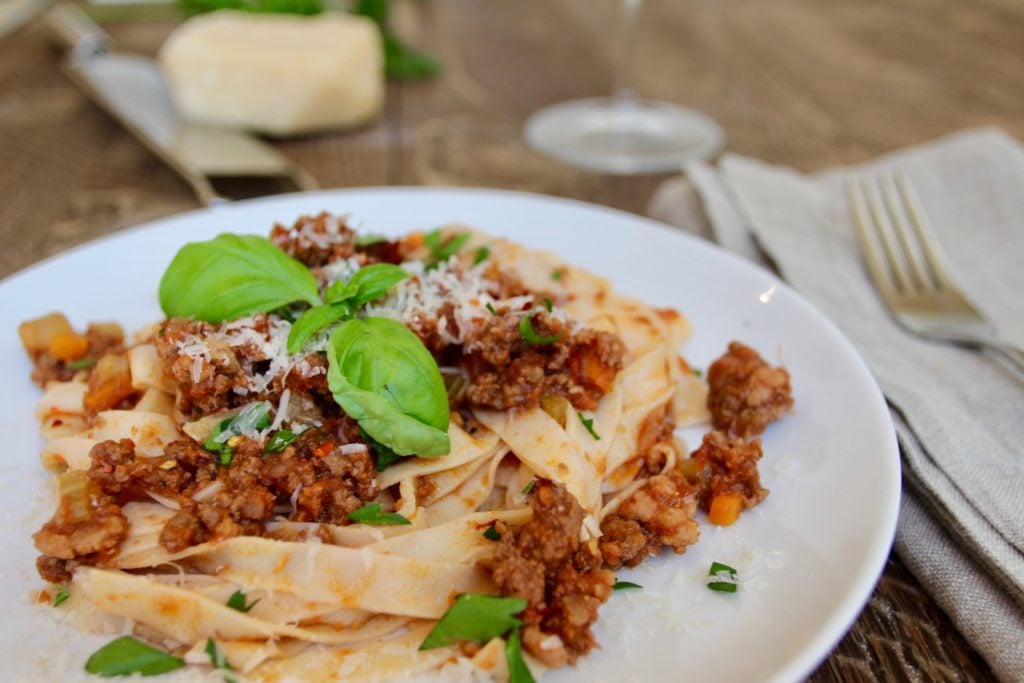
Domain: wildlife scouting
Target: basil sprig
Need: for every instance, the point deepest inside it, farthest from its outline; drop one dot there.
(343, 298)
(126, 655)
(231, 276)
(400, 60)
(380, 373)
(479, 618)
(371, 514)
(383, 377)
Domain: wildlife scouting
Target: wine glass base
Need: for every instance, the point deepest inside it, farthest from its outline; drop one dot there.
(623, 137)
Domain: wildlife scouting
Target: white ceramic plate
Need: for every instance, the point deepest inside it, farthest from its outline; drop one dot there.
(808, 556)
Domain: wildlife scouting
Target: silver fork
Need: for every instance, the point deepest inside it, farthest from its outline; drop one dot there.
(911, 271)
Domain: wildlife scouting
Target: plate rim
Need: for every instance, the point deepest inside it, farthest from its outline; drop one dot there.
(843, 616)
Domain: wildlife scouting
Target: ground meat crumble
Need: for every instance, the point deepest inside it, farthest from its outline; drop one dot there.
(728, 465)
(310, 481)
(745, 394)
(659, 513)
(561, 578)
(507, 372)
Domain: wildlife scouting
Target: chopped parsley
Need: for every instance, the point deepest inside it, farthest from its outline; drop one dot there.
(369, 239)
(589, 424)
(61, 597)
(482, 254)
(530, 336)
(218, 660)
(557, 275)
(237, 602)
(475, 617)
(698, 372)
(725, 578)
(529, 486)
(492, 534)
(479, 618)
(127, 655)
(371, 514)
(625, 585)
(518, 672)
(547, 304)
(491, 308)
(442, 249)
(280, 441)
(252, 418)
(81, 364)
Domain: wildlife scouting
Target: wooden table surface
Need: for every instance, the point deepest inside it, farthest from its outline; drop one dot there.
(800, 82)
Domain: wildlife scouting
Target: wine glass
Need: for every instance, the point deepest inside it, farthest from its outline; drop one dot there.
(623, 134)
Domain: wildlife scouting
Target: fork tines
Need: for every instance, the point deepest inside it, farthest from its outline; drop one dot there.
(900, 246)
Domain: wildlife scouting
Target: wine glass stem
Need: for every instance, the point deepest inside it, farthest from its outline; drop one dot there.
(623, 93)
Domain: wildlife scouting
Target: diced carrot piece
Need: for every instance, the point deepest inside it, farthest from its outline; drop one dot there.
(68, 346)
(725, 508)
(36, 334)
(324, 449)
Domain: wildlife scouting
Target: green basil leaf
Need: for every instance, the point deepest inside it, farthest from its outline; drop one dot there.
(340, 291)
(374, 281)
(625, 585)
(475, 617)
(384, 378)
(126, 655)
(530, 336)
(314, 320)
(237, 602)
(378, 10)
(589, 424)
(518, 672)
(231, 276)
(280, 441)
(727, 578)
(401, 61)
(371, 514)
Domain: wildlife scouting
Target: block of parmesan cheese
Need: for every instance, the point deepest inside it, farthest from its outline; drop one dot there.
(275, 74)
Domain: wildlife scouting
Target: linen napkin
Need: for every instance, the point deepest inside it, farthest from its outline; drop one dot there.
(959, 414)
